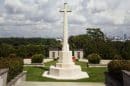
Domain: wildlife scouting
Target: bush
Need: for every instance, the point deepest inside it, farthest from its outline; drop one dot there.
(12, 56)
(37, 58)
(94, 58)
(115, 67)
(15, 65)
(117, 57)
(56, 59)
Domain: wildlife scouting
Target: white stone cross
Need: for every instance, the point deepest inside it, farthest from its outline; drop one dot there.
(65, 68)
(65, 26)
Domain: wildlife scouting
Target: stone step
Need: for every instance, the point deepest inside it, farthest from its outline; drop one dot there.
(61, 84)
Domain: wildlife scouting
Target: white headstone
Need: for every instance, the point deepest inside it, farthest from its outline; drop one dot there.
(78, 54)
(53, 54)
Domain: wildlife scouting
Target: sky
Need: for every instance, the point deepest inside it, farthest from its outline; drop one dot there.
(41, 18)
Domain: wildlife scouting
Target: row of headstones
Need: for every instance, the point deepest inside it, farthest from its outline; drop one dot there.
(78, 54)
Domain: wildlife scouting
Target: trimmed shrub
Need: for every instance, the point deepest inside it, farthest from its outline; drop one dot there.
(15, 65)
(118, 65)
(12, 56)
(94, 58)
(37, 58)
(117, 57)
(115, 67)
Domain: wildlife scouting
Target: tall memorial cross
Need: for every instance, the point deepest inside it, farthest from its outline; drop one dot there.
(65, 28)
(65, 67)
(66, 54)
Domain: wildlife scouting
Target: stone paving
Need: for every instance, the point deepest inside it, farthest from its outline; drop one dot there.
(61, 84)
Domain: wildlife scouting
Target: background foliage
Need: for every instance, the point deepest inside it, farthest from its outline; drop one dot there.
(94, 41)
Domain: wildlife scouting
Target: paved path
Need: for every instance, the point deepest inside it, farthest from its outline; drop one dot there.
(61, 84)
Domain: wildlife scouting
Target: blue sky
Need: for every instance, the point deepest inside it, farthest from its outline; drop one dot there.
(36, 18)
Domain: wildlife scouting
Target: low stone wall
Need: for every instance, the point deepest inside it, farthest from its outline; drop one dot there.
(3, 77)
(126, 78)
(18, 80)
(97, 65)
(109, 81)
(27, 61)
(34, 65)
(47, 60)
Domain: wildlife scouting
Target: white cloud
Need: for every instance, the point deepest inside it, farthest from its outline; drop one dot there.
(97, 6)
(17, 6)
(1, 20)
(77, 19)
(46, 17)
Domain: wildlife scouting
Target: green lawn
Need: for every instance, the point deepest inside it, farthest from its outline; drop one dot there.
(96, 74)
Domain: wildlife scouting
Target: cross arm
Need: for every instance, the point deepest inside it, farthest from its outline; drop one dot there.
(64, 11)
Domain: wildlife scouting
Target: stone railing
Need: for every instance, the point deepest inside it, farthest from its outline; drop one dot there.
(110, 81)
(3, 77)
(18, 80)
(14, 82)
(126, 78)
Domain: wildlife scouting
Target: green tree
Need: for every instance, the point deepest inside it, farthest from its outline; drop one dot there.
(22, 51)
(6, 50)
(34, 49)
(95, 33)
(126, 50)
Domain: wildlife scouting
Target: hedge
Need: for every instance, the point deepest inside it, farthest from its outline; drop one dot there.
(37, 58)
(94, 58)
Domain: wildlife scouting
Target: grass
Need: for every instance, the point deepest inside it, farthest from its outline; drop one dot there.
(96, 74)
(48, 64)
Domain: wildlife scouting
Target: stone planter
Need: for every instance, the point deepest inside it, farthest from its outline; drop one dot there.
(126, 78)
(3, 77)
(18, 80)
(112, 81)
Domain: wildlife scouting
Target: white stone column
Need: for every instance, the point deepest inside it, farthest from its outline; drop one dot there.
(66, 54)
(65, 27)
